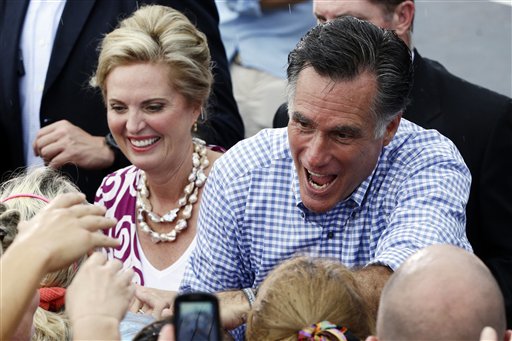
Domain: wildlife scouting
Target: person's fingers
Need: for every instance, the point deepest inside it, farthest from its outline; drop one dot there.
(51, 150)
(66, 200)
(141, 293)
(131, 291)
(135, 305)
(157, 309)
(147, 310)
(488, 334)
(167, 312)
(126, 276)
(81, 210)
(96, 258)
(41, 138)
(95, 223)
(101, 240)
(166, 333)
(114, 266)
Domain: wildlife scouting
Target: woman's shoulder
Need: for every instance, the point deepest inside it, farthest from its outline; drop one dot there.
(121, 182)
(128, 173)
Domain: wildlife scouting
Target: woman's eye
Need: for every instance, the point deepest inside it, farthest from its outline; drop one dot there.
(117, 108)
(154, 107)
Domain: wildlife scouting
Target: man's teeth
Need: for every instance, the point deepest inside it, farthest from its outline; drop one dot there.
(317, 186)
(315, 174)
(313, 183)
(143, 143)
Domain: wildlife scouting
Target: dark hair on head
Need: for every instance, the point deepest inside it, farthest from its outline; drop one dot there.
(343, 49)
(151, 331)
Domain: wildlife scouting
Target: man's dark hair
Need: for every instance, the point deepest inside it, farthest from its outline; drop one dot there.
(343, 49)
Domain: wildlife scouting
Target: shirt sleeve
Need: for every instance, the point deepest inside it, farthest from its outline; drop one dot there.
(245, 7)
(430, 209)
(217, 263)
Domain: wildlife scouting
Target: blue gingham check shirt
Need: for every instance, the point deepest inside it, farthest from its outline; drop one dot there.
(252, 218)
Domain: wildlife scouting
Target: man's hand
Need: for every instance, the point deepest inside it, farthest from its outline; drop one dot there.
(158, 303)
(233, 306)
(62, 142)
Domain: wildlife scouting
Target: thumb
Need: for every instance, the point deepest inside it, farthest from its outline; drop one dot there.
(488, 334)
(166, 333)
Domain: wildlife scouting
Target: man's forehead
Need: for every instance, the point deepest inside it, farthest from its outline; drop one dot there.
(310, 82)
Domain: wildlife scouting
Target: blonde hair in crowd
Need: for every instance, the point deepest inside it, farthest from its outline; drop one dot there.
(48, 183)
(50, 326)
(160, 34)
(304, 291)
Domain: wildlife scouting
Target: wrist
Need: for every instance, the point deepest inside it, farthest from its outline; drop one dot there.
(234, 308)
(27, 250)
(110, 142)
(95, 327)
(250, 295)
(112, 149)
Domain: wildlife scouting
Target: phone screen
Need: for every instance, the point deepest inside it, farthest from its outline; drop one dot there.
(197, 321)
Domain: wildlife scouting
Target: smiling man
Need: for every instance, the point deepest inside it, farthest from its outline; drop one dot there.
(348, 179)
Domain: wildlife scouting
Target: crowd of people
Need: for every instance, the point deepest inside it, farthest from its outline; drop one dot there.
(367, 213)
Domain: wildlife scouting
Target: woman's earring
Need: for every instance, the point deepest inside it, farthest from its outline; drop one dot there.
(194, 128)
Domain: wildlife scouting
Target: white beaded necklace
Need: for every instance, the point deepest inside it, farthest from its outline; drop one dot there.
(196, 180)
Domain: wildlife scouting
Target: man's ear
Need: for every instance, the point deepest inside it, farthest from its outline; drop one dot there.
(391, 129)
(372, 338)
(403, 18)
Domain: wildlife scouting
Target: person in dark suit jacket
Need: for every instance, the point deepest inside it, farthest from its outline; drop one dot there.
(477, 120)
(73, 116)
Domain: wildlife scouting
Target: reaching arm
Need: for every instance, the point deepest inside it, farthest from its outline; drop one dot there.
(58, 235)
(371, 280)
(18, 286)
(98, 298)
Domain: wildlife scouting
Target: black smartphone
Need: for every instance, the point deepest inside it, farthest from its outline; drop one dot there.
(196, 317)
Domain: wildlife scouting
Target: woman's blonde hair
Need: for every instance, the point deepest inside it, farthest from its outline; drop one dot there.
(303, 291)
(50, 326)
(159, 35)
(47, 183)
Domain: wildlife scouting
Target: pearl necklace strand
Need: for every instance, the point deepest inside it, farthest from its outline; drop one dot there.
(196, 180)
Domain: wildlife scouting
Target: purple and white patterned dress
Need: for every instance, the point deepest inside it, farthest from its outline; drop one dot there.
(119, 195)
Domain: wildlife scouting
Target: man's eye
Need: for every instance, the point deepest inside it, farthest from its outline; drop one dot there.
(302, 124)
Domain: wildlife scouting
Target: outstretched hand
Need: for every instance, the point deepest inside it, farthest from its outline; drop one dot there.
(98, 298)
(65, 230)
(100, 288)
(155, 302)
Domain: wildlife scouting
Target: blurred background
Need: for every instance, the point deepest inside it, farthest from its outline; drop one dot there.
(471, 38)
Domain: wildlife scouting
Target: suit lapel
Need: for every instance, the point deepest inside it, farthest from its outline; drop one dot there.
(424, 106)
(13, 14)
(73, 20)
